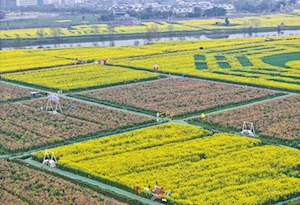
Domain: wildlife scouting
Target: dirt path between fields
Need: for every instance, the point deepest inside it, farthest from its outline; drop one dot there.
(114, 189)
(92, 182)
(246, 105)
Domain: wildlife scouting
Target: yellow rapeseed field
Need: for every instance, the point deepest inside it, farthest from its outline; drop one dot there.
(80, 76)
(271, 62)
(16, 60)
(266, 21)
(198, 167)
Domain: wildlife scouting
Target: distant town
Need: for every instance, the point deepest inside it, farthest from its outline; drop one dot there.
(178, 7)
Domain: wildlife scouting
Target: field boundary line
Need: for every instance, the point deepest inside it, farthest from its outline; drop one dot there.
(254, 86)
(38, 68)
(241, 106)
(287, 201)
(24, 154)
(92, 182)
(106, 106)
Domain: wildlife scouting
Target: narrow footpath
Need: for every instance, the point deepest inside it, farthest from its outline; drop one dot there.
(92, 182)
(111, 188)
(240, 106)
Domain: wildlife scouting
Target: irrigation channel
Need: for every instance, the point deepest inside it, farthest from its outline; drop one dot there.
(140, 41)
(26, 156)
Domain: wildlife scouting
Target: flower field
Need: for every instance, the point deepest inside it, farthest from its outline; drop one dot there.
(22, 60)
(197, 166)
(80, 77)
(267, 21)
(112, 146)
(276, 118)
(114, 53)
(246, 63)
(101, 53)
(10, 93)
(177, 95)
(23, 185)
(7, 198)
(31, 32)
(17, 60)
(28, 125)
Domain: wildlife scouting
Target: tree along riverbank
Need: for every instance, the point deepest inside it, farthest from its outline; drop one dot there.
(214, 34)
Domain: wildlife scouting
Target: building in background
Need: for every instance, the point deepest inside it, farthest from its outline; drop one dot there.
(2, 4)
(26, 2)
(71, 2)
(46, 2)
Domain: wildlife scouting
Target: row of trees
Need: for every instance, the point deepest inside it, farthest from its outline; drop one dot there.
(151, 32)
(265, 5)
(147, 13)
(2, 14)
(56, 32)
(41, 34)
(150, 13)
(251, 25)
(51, 8)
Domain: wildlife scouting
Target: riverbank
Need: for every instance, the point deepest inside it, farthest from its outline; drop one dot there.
(142, 38)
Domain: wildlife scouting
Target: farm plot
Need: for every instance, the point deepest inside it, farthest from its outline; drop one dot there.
(10, 93)
(23, 185)
(267, 21)
(73, 78)
(28, 125)
(24, 59)
(20, 60)
(101, 53)
(178, 96)
(239, 63)
(276, 118)
(198, 167)
(7, 198)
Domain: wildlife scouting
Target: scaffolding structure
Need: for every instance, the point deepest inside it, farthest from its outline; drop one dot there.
(248, 129)
(50, 160)
(53, 103)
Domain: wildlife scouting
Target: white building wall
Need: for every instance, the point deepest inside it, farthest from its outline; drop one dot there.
(26, 2)
(48, 2)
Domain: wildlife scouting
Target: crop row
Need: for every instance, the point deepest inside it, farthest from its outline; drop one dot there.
(28, 125)
(23, 185)
(185, 25)
(80, 77)
(231, 69)
(197, 166)
(177, 96)
(276, 118)
(12, 93)
(16, 60)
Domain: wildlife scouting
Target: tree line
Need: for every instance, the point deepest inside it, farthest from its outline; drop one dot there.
(263, 6)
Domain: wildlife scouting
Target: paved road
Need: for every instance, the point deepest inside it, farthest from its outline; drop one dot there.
(93, 182)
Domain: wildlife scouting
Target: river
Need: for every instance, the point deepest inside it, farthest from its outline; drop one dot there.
(138, 42)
